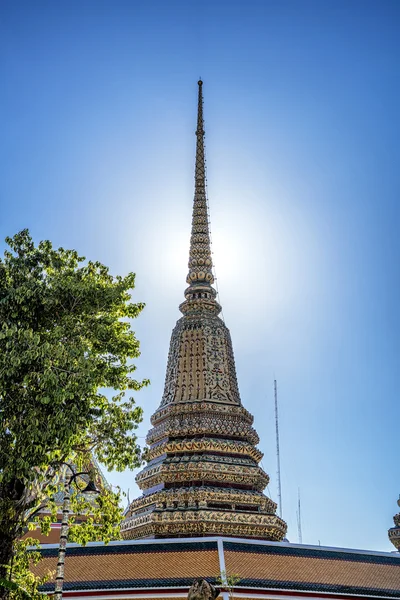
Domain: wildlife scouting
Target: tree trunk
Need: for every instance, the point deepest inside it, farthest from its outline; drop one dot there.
(6, 554)
(10, 515)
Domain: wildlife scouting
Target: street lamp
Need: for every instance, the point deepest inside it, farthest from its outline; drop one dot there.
(89, 489)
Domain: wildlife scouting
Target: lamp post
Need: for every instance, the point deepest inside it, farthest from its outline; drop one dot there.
(89, 489)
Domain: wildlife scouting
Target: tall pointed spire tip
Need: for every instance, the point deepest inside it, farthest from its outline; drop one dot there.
(200, 277)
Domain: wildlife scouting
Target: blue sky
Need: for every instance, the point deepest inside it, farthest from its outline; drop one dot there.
(98, 109)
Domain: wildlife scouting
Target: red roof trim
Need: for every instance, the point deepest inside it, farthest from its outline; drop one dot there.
(172, 592)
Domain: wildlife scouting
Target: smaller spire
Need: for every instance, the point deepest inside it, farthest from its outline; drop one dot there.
(394, 532)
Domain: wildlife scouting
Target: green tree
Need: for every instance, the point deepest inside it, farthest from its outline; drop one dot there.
(21, 583)
(228, 582)
(65, 336)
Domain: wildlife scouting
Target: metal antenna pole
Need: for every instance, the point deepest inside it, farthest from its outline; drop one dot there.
(299, 519)
(277, 448)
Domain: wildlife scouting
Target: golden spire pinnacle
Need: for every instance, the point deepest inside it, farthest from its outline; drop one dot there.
(200, 275)
(200, 261)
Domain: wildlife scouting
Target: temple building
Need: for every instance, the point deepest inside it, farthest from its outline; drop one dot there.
(203, 513)
(203, 475)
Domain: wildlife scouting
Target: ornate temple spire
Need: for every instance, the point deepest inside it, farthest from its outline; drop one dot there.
(394, 532)
(200, 275)
(202, 475)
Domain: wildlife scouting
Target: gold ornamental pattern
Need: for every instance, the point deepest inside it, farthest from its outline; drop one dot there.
(204, 522)
(200, 406)
(205, 445)
(203, 497)
(202, 470)
(202, 423)
(201, 364)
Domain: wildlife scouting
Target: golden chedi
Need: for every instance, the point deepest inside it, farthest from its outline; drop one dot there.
(203, 476)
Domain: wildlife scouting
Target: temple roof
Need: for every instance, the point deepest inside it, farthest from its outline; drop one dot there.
(166, 568)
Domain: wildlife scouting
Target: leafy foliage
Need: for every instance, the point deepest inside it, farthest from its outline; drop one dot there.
(228, 581)
(65, 336)
(21, 583)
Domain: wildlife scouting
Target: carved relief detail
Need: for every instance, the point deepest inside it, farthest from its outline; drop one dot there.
(204, 445)
(201, 364)
(204, 522)
(202, 495)
(202, 470)
(201, 406)
(202, 424)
